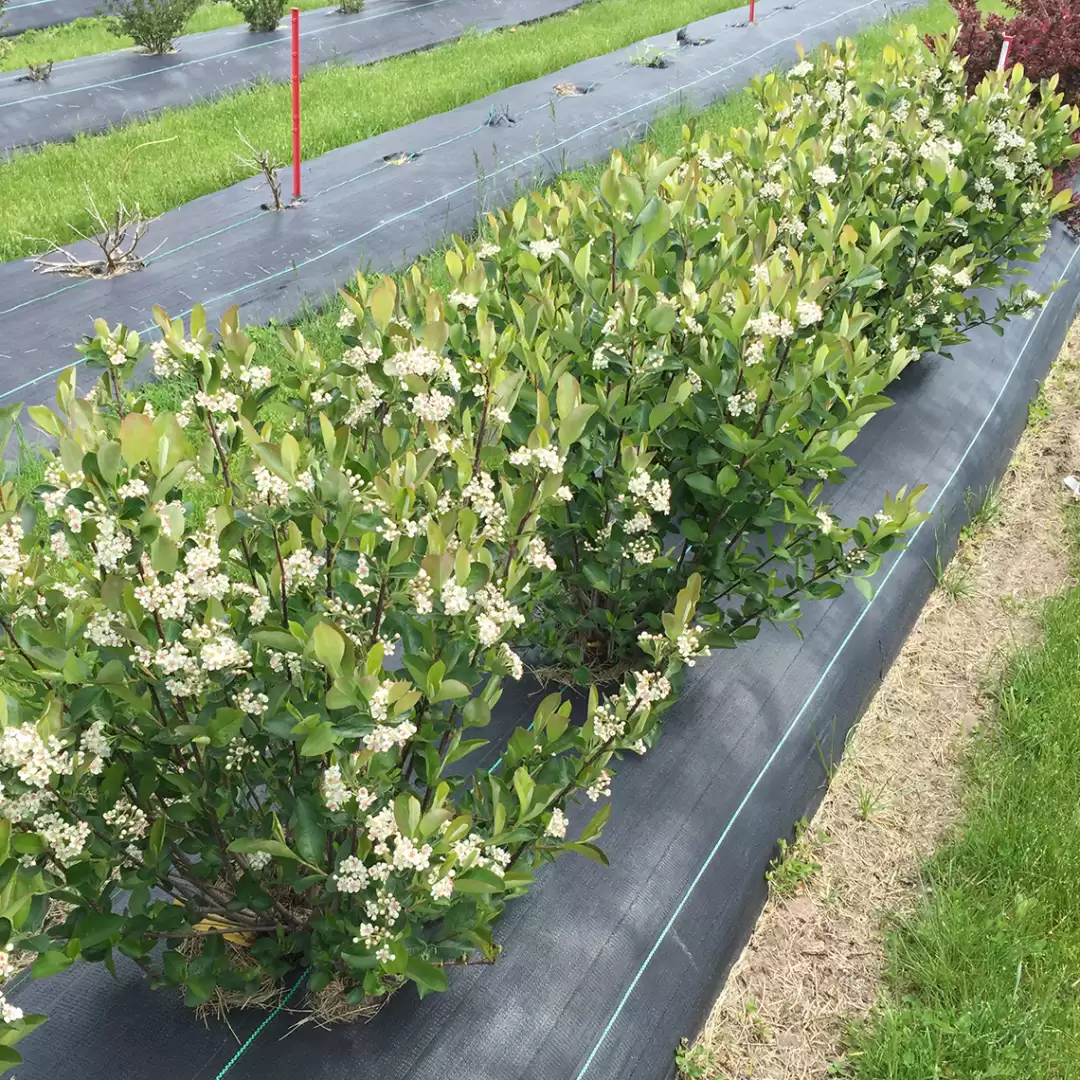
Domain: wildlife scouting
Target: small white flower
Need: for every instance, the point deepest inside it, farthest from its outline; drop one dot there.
(544, 249)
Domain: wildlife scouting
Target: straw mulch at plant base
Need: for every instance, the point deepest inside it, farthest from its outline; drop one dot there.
(814, 961)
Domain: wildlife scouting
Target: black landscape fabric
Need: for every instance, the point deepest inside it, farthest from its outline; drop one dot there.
(20, 15)
(605, 970)
(97, 92)
(222, 249)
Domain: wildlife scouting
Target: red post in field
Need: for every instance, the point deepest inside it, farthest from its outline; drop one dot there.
(1005, 45)
(751, 12)
(296, 103)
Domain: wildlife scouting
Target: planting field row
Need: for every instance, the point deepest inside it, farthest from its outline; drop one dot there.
(326, 636)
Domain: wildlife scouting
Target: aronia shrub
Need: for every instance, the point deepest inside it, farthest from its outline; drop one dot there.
(733, 315)
(255, 647)
(251, 665)
(1044, 39)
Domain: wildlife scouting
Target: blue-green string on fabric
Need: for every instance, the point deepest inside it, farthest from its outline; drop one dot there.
(258, 1031)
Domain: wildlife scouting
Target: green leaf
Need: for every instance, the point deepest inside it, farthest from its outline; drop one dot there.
(476, 713)
(308, 830)
(157, 838)
(864, 587)
(224, 726)
(596, 826)
(137, 437)
(321, 739)
(661, 319)
(382, 302)
(426, 976)
(478, 880)
(407, 812)
(590, 851)
(329, 646)
(9, 1058)
(51, 963)
(701, 482)
(247, 846)
(277, 639)
(524, 785)
(451, 689)
(570, 429)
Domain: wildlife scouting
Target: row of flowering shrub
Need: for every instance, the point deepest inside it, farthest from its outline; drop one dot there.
(256, 646)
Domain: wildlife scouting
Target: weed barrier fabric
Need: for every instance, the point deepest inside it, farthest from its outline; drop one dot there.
(20, 15)
(606, 969)
(363, 209)
(93, 93)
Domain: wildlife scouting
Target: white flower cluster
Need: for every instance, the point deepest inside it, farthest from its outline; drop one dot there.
(742, 404)
(543, 457)
(252, 703)
(496, 614)
(352, 875)
(128, 821)
(433, 407)
(385, 736)
(770, 324)
(655, 493)
(544, 249)
(556, 825)
(337, 793)
(601, 788)
(36, 761)
(425, 364)
(480, 496)
(271, 489)
(221, 403)
(690, 647)
(538, 556)
(10, 1014)
(512, 661)
(66, 839)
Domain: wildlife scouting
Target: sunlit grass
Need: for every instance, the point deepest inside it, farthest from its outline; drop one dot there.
(184, 153)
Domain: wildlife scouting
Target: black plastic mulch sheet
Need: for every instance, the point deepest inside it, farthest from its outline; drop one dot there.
(361, 208)
(605, 970)
(97, 92)
(20, 15)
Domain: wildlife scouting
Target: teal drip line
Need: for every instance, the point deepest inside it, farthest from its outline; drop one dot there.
(258, 1031)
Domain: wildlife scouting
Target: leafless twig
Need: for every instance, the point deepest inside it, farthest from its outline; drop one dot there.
(117, 237)
(37, 72)
(262, 162)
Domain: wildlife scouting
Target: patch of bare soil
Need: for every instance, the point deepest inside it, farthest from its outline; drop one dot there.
(815, 958)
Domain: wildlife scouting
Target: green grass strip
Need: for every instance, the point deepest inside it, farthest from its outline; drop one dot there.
(184, 153)
(982, 981)
(87, 37)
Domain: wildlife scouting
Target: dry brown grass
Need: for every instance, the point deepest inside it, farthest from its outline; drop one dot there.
(814, 961)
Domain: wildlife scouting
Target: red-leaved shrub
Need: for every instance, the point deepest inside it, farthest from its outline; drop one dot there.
(1045, 39)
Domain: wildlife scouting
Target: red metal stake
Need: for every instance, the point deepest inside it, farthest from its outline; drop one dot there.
(751, 12)
(296, 103)
(1005, 45)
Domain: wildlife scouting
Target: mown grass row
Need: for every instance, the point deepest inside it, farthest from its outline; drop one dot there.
(982, 980)
(184, 153)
